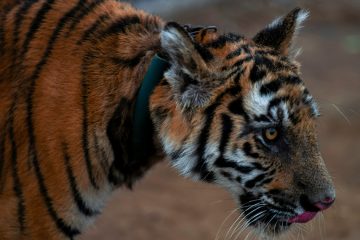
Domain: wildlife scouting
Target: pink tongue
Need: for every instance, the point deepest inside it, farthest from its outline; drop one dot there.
(302, 218)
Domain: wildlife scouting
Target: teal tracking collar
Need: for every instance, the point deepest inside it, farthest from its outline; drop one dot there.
(142, 126)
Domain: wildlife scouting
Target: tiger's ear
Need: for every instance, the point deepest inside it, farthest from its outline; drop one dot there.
(187, 66)
(280, 34)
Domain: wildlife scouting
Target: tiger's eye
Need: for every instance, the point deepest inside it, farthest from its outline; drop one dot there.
(271, 134)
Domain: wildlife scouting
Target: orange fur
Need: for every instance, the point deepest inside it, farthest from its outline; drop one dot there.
(57, 107)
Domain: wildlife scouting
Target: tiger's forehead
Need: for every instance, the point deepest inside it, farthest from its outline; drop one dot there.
(229, 51)
(270, 84)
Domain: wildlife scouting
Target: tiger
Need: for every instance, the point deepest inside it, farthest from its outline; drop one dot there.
(226, 110)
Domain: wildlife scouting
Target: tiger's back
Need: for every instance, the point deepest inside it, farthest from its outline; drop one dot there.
(59, 73)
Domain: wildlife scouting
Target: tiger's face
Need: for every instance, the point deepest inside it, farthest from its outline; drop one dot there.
(235, 112)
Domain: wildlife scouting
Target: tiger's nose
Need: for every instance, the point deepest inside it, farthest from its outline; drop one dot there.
(325, 203)
(314, 205)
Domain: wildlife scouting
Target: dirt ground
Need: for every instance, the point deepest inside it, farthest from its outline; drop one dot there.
(164, 206)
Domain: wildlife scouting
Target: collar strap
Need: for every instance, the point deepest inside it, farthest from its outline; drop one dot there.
(141, 141)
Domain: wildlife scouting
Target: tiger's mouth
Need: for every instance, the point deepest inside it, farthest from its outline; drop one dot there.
(268, 218)
(275, 222)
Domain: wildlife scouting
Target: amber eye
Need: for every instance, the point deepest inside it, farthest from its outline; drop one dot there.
(270, 134)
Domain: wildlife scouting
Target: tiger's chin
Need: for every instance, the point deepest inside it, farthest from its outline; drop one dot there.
(271, 228)
(267, 220)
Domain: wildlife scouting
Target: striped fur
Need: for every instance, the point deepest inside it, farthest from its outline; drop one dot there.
(62, 81)
(70, 71)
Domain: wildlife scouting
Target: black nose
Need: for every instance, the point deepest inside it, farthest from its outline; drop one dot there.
(316, 205)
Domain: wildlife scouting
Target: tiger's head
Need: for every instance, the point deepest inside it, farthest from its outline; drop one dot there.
(235, 112)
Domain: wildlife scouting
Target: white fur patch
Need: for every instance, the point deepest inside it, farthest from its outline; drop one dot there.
(255, 103)
(313, 105)
(186, 163)
(301, 17)
(275, 22)
(173, 41)
(171, 37)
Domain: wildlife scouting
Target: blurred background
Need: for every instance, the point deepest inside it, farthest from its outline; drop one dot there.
(165, 206)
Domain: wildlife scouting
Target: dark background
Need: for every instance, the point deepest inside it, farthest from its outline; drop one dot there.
(165, 206)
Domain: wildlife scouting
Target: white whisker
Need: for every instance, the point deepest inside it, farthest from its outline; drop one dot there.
(250, 221)
(342, 114)
(223, 222)
(256, 207)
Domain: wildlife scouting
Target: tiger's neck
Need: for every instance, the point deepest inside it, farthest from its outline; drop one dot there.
(132, 158)
(120, 83)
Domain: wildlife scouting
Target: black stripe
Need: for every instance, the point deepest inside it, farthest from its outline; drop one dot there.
(246, 49)
(35, 25)
(2, 156)
(179, 153)
(82, 14)
(240, 62)
(236, 107)
(19, 17)
(259, 166)
(276, 101)
(235, 74)
(256, 73)
(130, 63)
(121, 25)
(251, 183)
(15, 171)
(227, 126)
(227, 175)
(66, 229)
(233, 54)
(266, 52)
(204, 52)
(208, 177)
(200, 166)
(2, 33)
(43, 61)
(282, 204)
(119, 142)
(187, 80)
(262, 118)
(248, 150)
(85, 122)
(92, 29)
(264, 61)
(3, 137)
(3, 16)
(222, 162)
(233, 91)
(239, 179)
(275, 85)
(176, 154)
(101, 155)
(265, 181)
(160, 113)
(74, 188)
(222, 40)
(294, 118)
(260, 143)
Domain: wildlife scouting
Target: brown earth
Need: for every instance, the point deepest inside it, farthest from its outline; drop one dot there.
(166, 206)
